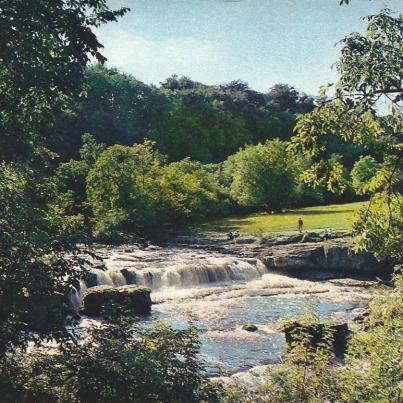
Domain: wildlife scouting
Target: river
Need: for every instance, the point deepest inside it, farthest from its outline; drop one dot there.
(219, 286)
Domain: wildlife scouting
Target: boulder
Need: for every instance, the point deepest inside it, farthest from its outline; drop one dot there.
(129, 275)
(317, 335)
(249, 327)
(91, 279)
(330, 257)
(135, 298)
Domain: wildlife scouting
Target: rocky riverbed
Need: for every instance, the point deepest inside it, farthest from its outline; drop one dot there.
(220, 285)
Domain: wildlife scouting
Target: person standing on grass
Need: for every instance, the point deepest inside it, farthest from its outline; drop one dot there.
(300, 225)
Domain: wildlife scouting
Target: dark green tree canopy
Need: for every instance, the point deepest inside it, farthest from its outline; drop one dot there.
(44, 48)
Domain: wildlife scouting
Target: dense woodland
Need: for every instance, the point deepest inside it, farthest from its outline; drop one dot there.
(129, 156)
(89, 153)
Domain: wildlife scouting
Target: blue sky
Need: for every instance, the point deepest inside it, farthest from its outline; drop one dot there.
(262, 42)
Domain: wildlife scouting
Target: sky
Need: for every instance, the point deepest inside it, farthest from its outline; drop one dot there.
(262, 42)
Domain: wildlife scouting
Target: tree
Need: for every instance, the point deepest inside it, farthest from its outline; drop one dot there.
(183, 83)
(190, 191)
(133, 189)
(261, 175)
(201, 128)
(185, 118)
(123, 186)
(115, 362)
(370, 70)
(284, 96)
(364, 170)
(115, 108)
(39, 72)
(35, 275)
(44, 49)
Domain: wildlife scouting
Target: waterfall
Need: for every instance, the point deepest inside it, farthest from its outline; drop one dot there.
(185, 275)
(103, 277)
(75, 297)
(171, 270)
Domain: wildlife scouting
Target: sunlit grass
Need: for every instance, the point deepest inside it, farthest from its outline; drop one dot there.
(336, 216)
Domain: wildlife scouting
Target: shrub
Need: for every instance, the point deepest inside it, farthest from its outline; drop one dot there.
(113, 363)
(261, 175)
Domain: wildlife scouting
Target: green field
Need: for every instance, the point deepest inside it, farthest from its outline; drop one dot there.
(336, 216)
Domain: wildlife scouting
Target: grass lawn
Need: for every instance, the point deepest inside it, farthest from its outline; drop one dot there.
(336, 216)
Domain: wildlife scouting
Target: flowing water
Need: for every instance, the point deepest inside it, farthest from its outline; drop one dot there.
(218, 292)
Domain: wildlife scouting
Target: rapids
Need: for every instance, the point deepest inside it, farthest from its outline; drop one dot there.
(219, 290)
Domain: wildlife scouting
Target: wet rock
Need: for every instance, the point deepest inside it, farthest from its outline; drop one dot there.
(249, 327)
(91, 279)
(250, 382)
(135, 298)
(99, 266)
(129, 275)
(335, 257)
(317, 334)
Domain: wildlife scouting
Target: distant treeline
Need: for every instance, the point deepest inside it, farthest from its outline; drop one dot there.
(185, 118)
(134, 157)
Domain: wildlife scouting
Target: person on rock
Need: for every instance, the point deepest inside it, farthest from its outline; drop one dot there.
(233, 235)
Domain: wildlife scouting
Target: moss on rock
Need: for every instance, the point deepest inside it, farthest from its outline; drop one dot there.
(136, 298)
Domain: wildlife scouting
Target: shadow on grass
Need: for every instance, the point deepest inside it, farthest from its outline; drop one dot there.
(317, 212)
(223, 226)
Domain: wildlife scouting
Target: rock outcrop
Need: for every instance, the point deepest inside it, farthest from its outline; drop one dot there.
(135, 298)
(320, 256)
(320, 236)
(317, 335)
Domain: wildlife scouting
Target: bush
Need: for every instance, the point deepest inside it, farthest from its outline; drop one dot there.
(261, 175)
(114, 363)
(133, 189)
(374, 369)
(35, 274)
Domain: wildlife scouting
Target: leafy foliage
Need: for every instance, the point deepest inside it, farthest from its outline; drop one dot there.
(134, 189)
(114, 363)
(379, 227)
(44, 49)
(371, 69)
(262, 175)
(364, 171)
(374, 368)
(185, 118)
(34, 273)
(39, 72)
(361, 78)
(190, 190)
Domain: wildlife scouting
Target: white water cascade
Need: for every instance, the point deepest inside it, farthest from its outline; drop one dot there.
(165, 269)
(184, 275)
